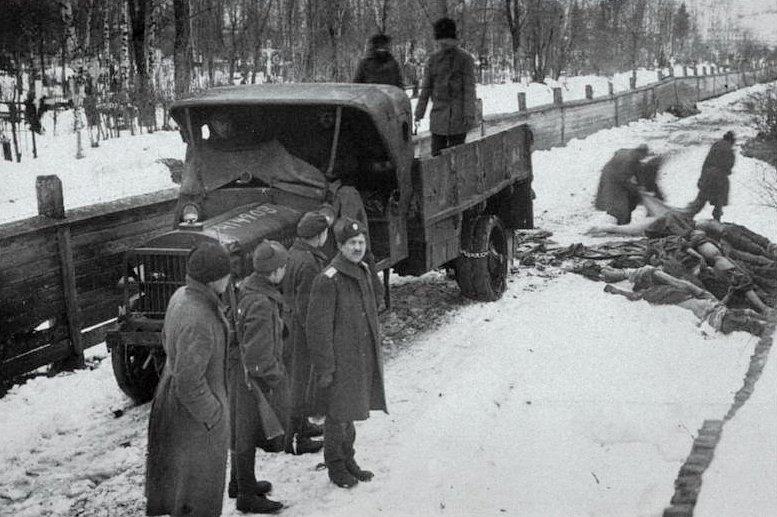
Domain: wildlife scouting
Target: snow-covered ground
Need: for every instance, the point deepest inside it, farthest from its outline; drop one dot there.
(557, 400)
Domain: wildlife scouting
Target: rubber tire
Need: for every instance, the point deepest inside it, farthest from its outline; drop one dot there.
(485, 278)
(138, 383)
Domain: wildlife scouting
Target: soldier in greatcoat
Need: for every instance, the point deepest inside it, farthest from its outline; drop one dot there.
(260, 394)
(618, 183)
(306, 260)
(714, 183)
(345, 349)
(188, 430)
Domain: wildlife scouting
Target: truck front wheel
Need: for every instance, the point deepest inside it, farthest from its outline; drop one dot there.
(137, 370)
(481, 269)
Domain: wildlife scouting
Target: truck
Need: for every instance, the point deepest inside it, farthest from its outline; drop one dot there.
(259, 156)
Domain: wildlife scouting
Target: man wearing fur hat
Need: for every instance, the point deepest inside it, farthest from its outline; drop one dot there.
(260, 335)
(379, 66)
(188, 430)
(449, 79)
(306, 260)
(714, 183)
(345, 349)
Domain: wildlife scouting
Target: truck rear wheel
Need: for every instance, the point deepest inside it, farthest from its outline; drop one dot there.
(137, 370)
(481, 270)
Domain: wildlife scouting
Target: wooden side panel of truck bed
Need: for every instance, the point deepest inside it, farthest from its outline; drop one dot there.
(459, 179)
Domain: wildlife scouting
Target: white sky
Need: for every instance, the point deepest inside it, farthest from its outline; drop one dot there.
(760, 16)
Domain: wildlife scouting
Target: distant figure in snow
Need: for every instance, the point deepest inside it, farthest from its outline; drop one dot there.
(619, 184)
(714, 183)
(379, 66)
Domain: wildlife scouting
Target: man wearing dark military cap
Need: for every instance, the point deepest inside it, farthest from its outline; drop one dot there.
(188, 429)
(260, 335)
(345, 349)
(306, 260)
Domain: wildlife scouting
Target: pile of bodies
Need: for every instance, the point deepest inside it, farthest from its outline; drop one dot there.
(723, 272)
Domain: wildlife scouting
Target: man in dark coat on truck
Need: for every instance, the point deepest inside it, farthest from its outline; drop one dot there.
(449, 79)
(618, 183)
(379, 66)
(260, 334)
(714, 183)
(306, 260)
(345, 349)
(188, 430)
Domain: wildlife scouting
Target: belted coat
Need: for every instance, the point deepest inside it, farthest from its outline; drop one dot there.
(188, 430)
(344, 339)
(260, 378)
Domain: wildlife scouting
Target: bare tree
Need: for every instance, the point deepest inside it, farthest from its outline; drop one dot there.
(515, 11)
(542, 33)
(182, 50)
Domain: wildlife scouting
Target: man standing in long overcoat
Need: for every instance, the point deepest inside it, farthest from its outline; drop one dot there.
(260, 332)
(306, 260)
(345, 349)
(188, 430)
(714, 183)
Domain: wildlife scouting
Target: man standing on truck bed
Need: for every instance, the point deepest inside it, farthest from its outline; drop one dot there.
(345, 349)
(188, 430)
(379, 66)
(449, 78)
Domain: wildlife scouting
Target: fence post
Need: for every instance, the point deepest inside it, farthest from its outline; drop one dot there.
(50, 201)
(558, 100)
(704, 70)
(632, 83)
(479, 116)
(610, 88)
(557, 97)
(589, 92)
(660, 75)
(521, 101)
(685, 71)
(51, 204)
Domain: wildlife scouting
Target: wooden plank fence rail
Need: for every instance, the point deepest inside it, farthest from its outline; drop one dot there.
(59, 273)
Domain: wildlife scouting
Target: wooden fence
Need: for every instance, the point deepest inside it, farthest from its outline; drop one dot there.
(59, 273)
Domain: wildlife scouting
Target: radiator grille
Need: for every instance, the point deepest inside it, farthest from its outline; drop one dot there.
(158, 273)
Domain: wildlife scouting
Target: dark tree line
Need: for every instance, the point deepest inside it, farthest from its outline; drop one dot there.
(322, 40)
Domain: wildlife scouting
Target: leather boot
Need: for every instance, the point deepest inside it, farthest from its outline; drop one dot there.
(357, 472)
(262, 487)
(310, 430)
(302, 445)
(340, 476)
(253, 503)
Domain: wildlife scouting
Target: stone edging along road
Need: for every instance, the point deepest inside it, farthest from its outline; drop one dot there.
(689, 479)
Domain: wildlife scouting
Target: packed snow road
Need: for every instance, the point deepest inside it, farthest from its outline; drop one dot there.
(557, 400)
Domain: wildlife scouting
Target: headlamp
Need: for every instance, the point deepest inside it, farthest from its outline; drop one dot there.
(190, 213)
